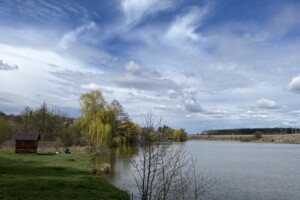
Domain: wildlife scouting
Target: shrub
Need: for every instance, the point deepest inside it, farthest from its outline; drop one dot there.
(6, 131)
(180, 135)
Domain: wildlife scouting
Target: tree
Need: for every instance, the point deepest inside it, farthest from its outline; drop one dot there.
(55, 124)
(121, 115)
(167, 132)
(257, 135)
(132, 132)
(164, 171)
(180, 135)
(98, 119)
(126, 131)
(27, 119)
(40, 118)
(71, 135)
(6, 130)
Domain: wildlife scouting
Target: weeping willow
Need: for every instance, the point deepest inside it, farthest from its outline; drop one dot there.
(98, 119)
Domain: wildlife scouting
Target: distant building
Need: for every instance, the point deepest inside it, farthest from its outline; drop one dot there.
(27, 142)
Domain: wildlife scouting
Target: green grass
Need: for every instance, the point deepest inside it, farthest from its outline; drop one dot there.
(65, 176)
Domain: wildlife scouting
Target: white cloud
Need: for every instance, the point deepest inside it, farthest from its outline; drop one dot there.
(133, 68)
(91, 86)
(172, 93)
(249, 114)
(266, 104)
(295, 112)
(192, 105)
(284, 21)
(212, 73)
(137, 70)
(185, 26)
(294, 85)
(136, 10)
(72, 36)
(35, 80)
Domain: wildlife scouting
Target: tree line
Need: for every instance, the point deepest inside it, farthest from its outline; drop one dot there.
(100, 122)
(251, 131)
(52, 125)
(108, 123)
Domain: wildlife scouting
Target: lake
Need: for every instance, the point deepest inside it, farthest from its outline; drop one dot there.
(240, 170)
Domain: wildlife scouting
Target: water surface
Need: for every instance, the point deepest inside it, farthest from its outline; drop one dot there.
(241, 170)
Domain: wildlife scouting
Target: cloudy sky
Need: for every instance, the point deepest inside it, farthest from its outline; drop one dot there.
(198, 64)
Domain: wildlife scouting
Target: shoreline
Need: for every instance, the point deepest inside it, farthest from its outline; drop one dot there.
(265, 138)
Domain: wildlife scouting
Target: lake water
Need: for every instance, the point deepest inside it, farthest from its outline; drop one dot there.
(241, 171)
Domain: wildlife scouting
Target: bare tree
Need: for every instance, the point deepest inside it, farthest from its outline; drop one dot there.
(165, 171)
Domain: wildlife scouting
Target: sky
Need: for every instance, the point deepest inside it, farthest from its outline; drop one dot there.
(198, 64)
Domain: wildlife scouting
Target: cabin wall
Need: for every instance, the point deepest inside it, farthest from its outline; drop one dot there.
(26, 146)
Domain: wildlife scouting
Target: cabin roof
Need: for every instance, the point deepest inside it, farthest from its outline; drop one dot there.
(27, 136)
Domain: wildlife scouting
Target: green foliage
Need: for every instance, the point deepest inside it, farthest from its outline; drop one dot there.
(72, 136)
(153, 136)
(129, 131)
(98, 119)
(27, 123)
(148, 134)
(180, 135)
(6, 130)
(105, 123)
(166, 131)
(49, 123)
(126, 131)
(100, 122)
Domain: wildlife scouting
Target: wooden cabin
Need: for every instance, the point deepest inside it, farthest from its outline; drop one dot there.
(27, 142)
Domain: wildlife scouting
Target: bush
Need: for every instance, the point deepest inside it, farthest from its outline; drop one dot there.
(6, 131)
(257, 135)
(180, 135)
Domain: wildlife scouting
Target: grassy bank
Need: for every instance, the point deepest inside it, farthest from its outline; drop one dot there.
(64, 176)
(274, 138)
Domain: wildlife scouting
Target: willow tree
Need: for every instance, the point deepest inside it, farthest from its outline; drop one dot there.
(98, 119)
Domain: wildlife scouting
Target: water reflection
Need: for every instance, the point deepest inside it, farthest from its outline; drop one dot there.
(118, 157)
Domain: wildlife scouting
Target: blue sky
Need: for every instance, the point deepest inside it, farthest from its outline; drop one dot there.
(198, 64)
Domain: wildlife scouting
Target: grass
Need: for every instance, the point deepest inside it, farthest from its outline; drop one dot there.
(64, 176)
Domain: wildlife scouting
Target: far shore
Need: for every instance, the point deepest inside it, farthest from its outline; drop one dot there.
(273, 138)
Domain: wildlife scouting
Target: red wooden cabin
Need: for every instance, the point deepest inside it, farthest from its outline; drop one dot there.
(27, 142)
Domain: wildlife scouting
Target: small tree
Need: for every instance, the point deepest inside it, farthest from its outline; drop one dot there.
(27, 119)
(257, 135)
(180, 135)
(41, 117)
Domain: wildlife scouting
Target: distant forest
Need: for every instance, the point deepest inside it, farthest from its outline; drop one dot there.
(251, 131)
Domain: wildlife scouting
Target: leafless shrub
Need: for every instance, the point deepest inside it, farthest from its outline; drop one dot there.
(164, 171)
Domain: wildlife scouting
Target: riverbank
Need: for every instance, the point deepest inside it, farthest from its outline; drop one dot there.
(63, 176)
(274, 138)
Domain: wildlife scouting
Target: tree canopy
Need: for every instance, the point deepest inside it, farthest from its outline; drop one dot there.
(97, 118)
(105, 123)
